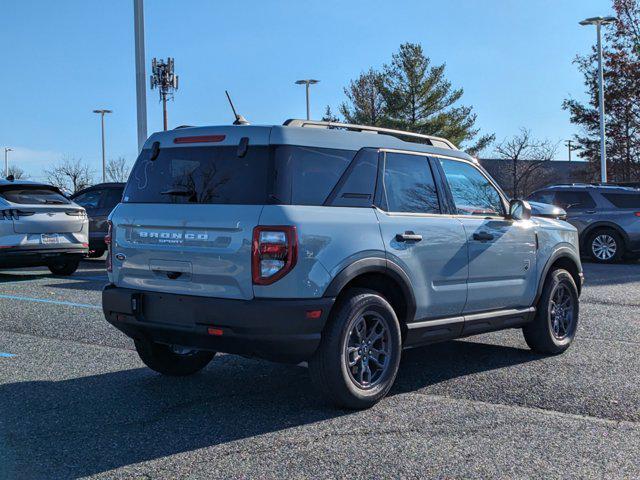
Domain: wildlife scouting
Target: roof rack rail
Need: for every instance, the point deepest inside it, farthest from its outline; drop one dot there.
(434, 141)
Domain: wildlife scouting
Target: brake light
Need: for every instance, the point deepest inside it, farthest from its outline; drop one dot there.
(637, 214)
(274, 253)
(108, 240)
(200, 139)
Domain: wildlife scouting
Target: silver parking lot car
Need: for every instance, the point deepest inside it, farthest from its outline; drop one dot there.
(40, 227)
(334, 244)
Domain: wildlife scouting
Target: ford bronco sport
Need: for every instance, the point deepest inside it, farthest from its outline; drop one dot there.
(337, 245)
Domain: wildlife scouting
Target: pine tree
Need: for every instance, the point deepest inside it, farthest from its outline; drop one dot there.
(409, 94)
(622, 97)
(329, 116)
(420, 99)
(365, 104)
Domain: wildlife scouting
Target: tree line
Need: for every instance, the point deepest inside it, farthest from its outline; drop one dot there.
(622, 97)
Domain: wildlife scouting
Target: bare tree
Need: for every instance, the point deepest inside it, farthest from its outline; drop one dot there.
(528, 157)
(17, 172)
(117, 170)
(70, 174)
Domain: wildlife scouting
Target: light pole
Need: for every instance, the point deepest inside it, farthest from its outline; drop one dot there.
(6, 160)
(307, 82)
(104, 163)
(141, 76)
(570, 147)
(598, 22)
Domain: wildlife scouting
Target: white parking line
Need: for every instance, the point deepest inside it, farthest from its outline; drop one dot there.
(52, 302)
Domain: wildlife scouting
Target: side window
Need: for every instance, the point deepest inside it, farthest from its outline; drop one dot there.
(89, 199)
(409, 185)
(542, 197)
(623, 200)
(472, 193)
(574, 200)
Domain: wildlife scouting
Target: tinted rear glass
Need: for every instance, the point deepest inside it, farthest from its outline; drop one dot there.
(623, 200)
(33, 196)
(306, 175)
(202, 175)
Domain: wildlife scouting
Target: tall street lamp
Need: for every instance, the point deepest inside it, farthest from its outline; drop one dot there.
(307, 82)
(598, 22)
(104, 163)
(6, 160)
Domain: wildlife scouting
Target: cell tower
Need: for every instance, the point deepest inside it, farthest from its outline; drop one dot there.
(166, 81)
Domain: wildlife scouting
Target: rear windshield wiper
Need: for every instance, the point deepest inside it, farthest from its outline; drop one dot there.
(179, 192)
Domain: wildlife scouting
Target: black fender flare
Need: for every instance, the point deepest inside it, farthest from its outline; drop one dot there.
(375, 265)
(562, 252)
(602, 224)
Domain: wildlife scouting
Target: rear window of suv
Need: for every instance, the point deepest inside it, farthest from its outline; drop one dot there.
(290, 175)
(33, 195)
(623, 200)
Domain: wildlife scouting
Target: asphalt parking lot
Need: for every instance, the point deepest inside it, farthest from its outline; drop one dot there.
(75, 401)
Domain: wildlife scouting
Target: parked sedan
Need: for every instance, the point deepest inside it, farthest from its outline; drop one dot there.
(39, 226)
(98, 201)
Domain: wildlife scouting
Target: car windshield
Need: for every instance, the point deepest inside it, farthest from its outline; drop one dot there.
(36, 195)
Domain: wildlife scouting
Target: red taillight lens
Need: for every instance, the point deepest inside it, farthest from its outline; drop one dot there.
(637, 214)
(200, 139)
(107, 240)
(274, 253)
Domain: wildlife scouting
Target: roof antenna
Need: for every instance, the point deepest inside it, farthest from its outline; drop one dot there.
(240, 120)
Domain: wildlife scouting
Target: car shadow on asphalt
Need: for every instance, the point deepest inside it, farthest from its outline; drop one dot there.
(83, 426)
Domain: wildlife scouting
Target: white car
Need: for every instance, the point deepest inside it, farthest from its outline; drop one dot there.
(41, 227)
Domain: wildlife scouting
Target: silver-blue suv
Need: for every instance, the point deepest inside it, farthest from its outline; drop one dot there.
(607, 217)
(337, 245)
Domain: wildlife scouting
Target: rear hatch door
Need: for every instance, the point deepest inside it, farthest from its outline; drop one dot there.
(187, 217)
(40, 209)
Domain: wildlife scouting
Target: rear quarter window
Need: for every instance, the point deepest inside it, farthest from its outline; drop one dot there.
(307, 175)
(623, 200)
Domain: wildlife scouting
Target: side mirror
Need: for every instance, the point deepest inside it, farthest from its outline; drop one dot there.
(519, 210)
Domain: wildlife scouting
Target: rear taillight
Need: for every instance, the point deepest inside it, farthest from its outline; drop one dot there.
(274, 253)
(637, 214)
(107, 241)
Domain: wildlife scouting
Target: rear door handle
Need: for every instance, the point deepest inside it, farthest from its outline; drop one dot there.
(483, 236)
(590, 211)
(408, 236)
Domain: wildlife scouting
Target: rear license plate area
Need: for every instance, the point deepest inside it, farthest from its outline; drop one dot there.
(49, 239)
(158, 308)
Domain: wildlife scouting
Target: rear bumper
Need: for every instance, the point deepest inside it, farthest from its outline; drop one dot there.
(274, 329)
(41, 255)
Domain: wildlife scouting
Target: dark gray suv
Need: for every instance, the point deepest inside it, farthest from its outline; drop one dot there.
(607, 217)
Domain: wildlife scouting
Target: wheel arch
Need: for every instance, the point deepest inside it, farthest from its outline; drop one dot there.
(383, 276)
(562, 258)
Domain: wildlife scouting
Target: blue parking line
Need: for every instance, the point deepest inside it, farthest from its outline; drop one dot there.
(52, 302)
(6, 355)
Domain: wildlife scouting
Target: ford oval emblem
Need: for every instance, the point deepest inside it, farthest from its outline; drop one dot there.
(121, 256)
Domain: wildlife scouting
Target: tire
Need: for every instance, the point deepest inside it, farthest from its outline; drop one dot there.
(610, 243)
(165, 360)
(96, 253)
(345, 386)
(64, 267)
(549, 334)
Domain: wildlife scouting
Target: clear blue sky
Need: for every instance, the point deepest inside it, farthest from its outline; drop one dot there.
(62, 59)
